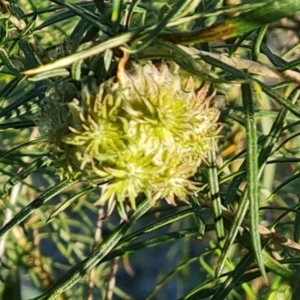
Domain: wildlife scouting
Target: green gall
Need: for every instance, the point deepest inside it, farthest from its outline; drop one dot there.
(145, 131)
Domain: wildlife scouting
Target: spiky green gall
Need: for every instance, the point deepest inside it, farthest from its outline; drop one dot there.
(146, 131)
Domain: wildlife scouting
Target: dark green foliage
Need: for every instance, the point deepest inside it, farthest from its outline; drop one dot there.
(236, 237)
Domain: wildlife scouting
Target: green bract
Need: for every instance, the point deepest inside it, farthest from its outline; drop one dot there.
(145, 131)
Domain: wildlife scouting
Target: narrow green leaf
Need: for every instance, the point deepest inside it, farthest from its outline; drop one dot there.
(68, 202)
(180, 5)
(76, 70)
(116, 8)
(16, 125)
(156, 225)
(35, 204)
(285, 141)
(283, 184)
(162, 283)
(271, 11)
(107, 245)
(252, 174)
(6, 111)
(32, 167)
(62, 72)
(210, 287)
(240, 74)
(197, 209)
(161, 239)
(9, 87)
(23, 145)
(277, 268)
(281, 100)
(234, 277)
(235, 226)
(215, 195)
(86, 14)
(4, 58)
(290, 65)
(68, 60)
(259, 36)
(58, 17)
